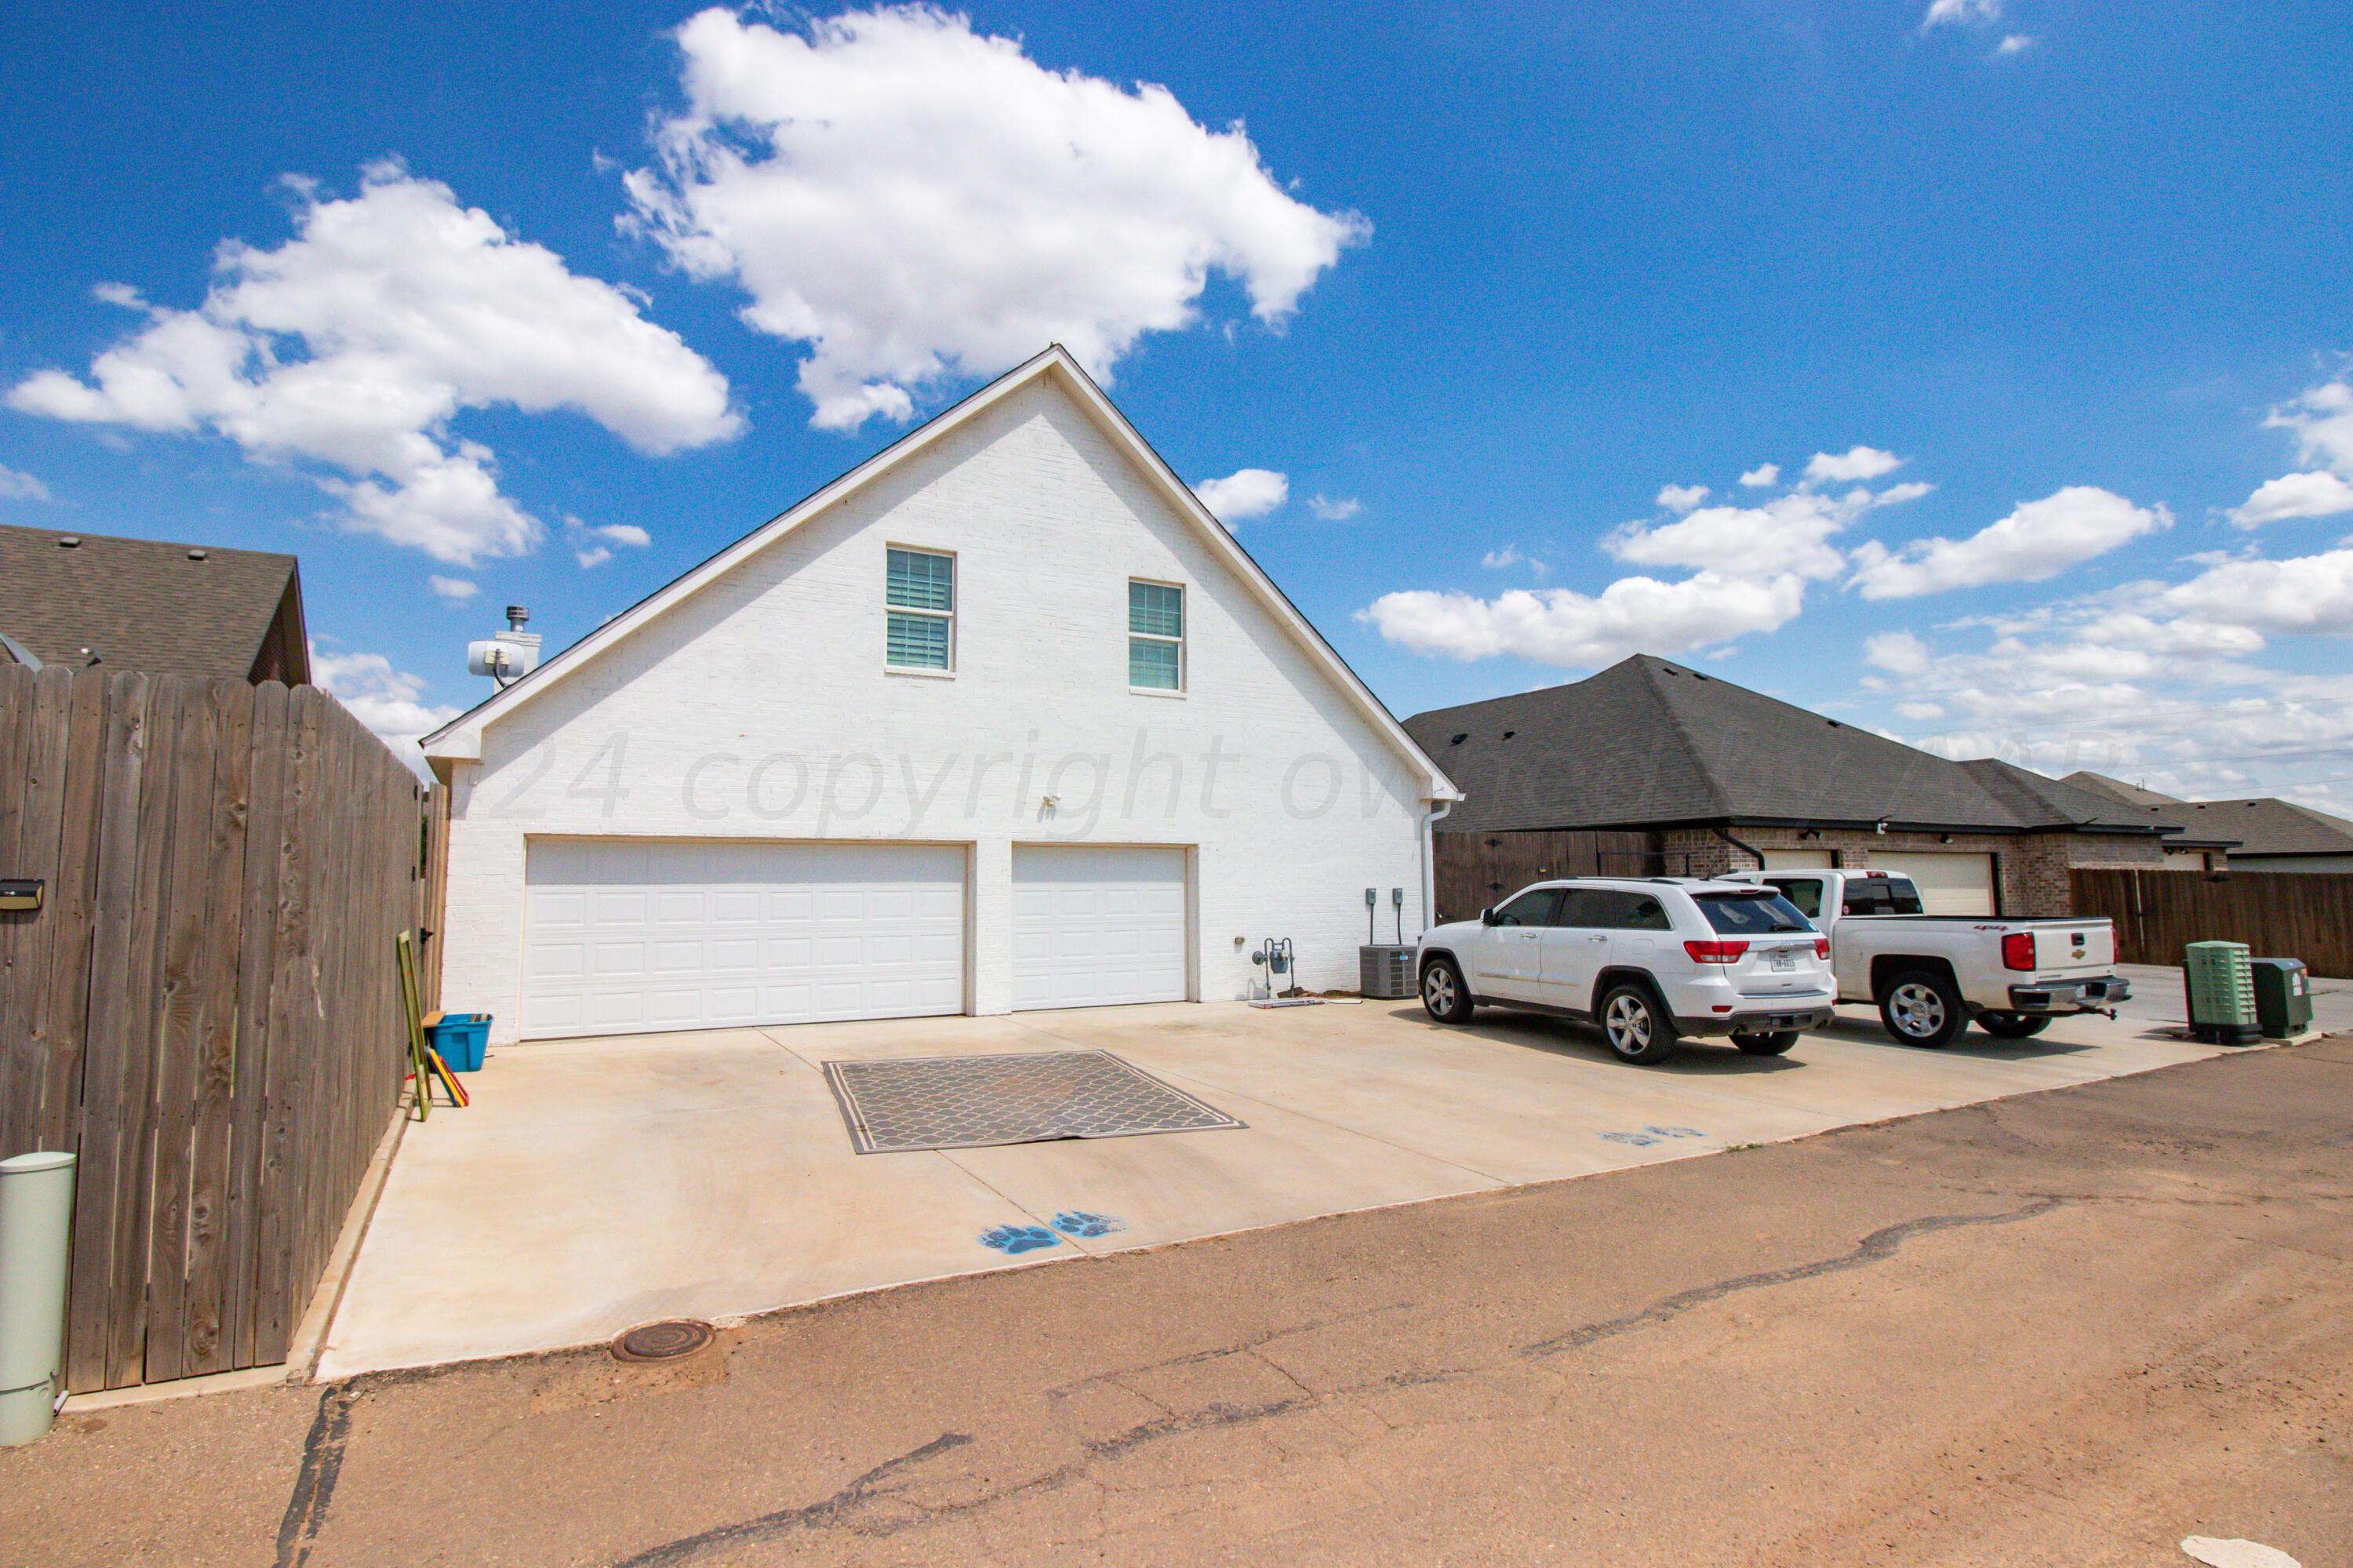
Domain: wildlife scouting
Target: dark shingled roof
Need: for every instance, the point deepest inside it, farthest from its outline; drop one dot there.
(1646, 743)
(2260, 825)
(144, 604)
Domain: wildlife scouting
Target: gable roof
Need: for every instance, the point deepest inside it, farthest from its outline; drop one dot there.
(460, 739)
(2256, 825)
(145, 605)
(1648, 743)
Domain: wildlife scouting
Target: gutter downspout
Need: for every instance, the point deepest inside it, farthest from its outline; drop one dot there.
(1750, 850)
(1430, 821)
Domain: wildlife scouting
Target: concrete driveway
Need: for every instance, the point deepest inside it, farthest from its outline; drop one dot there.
(596, 1184)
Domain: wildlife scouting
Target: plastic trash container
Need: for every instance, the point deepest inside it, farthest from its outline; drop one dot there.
(460, 1038)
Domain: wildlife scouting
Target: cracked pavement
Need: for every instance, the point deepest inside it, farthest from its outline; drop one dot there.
(2069, 1327)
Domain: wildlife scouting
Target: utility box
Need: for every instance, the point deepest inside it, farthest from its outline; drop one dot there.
(2282, 996)
(2221, 985)
(1385, 970)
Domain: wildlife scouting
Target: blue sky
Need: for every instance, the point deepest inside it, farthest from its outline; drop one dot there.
(554, 304)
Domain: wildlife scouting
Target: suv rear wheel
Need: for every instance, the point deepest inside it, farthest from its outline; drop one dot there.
(1443, 995)
(1758, 1044)
(1637, 1027)
(1921, 1007)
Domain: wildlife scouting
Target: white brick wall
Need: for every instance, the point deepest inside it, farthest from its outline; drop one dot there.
(761, 708)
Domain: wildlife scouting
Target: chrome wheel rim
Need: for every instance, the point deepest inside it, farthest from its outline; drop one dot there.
(1437, 990)
(1919, 1010)
(1628, 1024)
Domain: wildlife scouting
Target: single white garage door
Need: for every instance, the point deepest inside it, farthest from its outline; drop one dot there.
(626, 937)
(1094, 926)
(1797, 860)
(1948, 884)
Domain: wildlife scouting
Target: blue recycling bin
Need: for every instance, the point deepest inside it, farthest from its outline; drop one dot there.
(459, 1038)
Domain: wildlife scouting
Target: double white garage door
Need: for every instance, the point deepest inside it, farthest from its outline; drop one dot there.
(627, 936)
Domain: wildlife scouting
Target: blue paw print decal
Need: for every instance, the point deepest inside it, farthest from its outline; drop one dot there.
(1079, 1222)
(1651, 1135)
(1015, 1240)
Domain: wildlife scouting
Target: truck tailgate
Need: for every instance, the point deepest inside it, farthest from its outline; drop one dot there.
(2086, 945)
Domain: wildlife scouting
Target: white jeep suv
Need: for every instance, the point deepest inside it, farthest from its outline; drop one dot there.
(1647, 959)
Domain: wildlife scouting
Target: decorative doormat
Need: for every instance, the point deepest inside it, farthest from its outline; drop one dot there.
(977, 1102)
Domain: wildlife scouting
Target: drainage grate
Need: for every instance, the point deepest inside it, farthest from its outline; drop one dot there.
(663, 1342)
(974, 1102)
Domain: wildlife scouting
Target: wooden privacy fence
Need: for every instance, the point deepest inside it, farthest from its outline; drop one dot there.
(1474, 870)
(205, 1007)
(2279, 913)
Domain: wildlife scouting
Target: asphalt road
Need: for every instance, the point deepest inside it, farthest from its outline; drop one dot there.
(2069, 1328)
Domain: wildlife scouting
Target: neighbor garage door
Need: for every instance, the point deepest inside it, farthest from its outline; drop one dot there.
(625, 936)
(1093, 925)
(1948, 884)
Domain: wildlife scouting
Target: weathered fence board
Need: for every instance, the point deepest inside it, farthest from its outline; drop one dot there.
(206, 1007)
(1474, 870)
(2279, 913)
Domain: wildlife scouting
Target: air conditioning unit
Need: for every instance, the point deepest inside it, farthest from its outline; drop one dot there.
(1385, 970)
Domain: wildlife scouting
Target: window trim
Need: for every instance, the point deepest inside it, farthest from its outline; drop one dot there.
(955, 595)
(1184, 628)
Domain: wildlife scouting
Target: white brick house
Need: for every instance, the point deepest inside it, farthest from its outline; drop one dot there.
(1001, 718)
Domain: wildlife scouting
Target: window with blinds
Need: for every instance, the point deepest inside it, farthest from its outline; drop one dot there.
(920, 591)
(1155, 636)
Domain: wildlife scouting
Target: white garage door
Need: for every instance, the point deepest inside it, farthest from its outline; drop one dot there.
(623, 936)
(1092, 926)
(1948, 884)
(1797, 860)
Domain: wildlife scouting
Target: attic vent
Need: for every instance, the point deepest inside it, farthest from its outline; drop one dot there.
(1509, 733)
(69, 542)
(195, 554)
(1834, 724)
(1460, 738)
(1697, 676)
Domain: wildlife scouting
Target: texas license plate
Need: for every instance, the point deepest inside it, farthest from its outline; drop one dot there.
(1784, 958)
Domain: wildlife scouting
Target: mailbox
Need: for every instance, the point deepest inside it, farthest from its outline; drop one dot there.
(20, 893)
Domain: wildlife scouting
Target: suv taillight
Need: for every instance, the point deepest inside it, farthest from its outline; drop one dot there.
(2018, 950)
(1822, 947)
(1715, 952)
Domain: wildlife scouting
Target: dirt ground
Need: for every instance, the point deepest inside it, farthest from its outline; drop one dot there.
(2069, 1328)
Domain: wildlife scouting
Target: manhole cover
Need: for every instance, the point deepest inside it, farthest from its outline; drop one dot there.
(663, 1342)
(973, 1102)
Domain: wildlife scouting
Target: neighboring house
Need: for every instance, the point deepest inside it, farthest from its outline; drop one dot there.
(2269, 833)
(1000, 719)
(148, 605)
(1651, 767)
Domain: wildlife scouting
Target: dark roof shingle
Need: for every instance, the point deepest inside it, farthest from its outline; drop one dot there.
(142, 604)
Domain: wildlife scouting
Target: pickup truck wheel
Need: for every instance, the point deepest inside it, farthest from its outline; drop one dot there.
(2013, 1025)
(1921, 1007)
(1443, 995)
(1776, 1043)
(1636, 1026)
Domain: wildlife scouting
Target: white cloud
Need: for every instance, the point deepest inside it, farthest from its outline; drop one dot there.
(1787, 533)
(457, 590)
(2323, 420)
(1333, 508)
(1941, 12)
(1897, 495)
(19, 486)
(2313, 494)
(2037, 541)
(1900, 652)
(591, 556)
(1854, 464)
(1575, 630)
(1245, 493)
(1682, 497)
(389, 701)
(917, 201)
(2014, 44)
(1508, 558)
(1763, 475)
(1921, 711)
(2308, 594)
(355, 344)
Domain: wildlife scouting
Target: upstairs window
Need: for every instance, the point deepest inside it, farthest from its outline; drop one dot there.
(1155, 636)
(921, 591)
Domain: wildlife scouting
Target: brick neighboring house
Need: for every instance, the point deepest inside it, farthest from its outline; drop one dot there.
(1651, 767)
(152, 607)
(2269, 833)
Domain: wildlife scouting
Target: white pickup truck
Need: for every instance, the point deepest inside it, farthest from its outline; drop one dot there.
(1930, 974)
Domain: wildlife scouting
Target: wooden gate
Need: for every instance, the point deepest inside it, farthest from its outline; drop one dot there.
(205, 1006)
